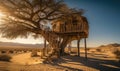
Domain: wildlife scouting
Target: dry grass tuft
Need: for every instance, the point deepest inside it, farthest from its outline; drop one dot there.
(5, 58)
(34, 54)
(117, 53)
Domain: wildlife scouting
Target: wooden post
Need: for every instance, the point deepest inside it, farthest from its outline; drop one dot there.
(69, 48)
(85, 48)
(78, 46)
(44, 49)
(59, 47)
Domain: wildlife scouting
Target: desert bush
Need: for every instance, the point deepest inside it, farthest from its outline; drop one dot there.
(98, 50)
(5, 58)
(11, 51)
(25, 51)
(102, 46)
(117, 53)
(88, 49)
(34, 54)
(3, 51)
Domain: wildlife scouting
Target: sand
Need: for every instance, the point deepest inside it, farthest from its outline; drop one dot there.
(96, 61)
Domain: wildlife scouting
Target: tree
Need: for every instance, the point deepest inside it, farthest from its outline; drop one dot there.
(28, 17)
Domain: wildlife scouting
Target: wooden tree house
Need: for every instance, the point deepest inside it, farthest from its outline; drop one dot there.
(74, 26)
(71, 25)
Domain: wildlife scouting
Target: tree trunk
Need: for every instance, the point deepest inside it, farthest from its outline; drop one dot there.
(62, 51)
(58, 43)
(63, 45)
(59, 50)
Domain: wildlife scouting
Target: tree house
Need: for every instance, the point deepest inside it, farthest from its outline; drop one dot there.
(72, 25)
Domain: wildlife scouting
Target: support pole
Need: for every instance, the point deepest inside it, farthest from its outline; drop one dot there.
(44, 49)
(69, 48)
(59, 47)
(78, 46)
(85, 48)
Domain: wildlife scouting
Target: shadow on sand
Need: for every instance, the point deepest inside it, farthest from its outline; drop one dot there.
(98, 64)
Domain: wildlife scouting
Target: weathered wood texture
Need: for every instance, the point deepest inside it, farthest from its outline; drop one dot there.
(71, 26)
(65, 31)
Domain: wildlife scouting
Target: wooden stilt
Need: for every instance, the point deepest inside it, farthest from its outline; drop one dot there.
(78, 46)
(44, 49)
(69, 48)
(59, 47)
(85, 48)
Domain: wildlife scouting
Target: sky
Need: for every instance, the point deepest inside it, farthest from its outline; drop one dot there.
(104, 21)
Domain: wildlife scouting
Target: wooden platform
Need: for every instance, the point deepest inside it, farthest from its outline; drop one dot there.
(81, 34)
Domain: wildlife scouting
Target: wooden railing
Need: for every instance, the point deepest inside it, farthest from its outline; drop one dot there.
(72, 28)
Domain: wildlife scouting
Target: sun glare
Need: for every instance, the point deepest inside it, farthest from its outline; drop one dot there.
(1, 16)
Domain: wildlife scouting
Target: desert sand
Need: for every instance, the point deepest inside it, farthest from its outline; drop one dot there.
(97, 61)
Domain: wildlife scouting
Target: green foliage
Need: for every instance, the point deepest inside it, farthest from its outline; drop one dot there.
(5, 58)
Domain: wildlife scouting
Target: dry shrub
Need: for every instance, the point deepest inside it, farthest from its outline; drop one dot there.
(117, 53)
(3, 51)
(5, 58)
(88, 49)
(11, 51)
(98, 50)
(34, 54)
